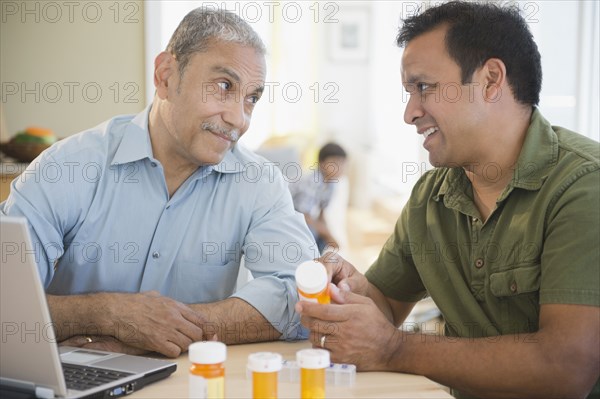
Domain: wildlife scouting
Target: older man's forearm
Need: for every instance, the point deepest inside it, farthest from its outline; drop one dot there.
(235, 321)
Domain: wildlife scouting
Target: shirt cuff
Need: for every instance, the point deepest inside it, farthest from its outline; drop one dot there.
(275, 299)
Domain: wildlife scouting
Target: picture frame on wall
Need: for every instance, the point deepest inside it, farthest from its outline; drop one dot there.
(349, 35)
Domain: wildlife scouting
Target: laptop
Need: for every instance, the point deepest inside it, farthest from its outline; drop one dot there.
(31, 362)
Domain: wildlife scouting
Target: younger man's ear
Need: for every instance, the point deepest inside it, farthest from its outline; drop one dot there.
(165, 73)
(494, 76)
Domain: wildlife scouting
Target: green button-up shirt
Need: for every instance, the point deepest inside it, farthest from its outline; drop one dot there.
(540, 244)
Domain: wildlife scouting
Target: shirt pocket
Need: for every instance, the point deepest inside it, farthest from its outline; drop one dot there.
(203, 282)
(519, 280)
(517, 293)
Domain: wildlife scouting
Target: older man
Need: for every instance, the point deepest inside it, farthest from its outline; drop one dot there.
(140, 224)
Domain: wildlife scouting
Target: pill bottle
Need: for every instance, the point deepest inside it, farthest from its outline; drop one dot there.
(207, 372)
(312, 282)
(312, 363)
(265, 367)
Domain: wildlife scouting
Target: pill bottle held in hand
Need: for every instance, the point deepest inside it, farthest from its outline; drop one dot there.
(207, 372)
(312, 282)
(265, 367)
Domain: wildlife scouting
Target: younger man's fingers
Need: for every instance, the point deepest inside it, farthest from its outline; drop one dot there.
(349, 297)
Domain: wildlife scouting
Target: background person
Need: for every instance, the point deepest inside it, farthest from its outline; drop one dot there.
(313, 192)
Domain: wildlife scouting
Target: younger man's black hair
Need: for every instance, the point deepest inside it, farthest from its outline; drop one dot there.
(478, 32)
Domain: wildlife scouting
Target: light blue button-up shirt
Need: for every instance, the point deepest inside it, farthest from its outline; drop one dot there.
(102, 220)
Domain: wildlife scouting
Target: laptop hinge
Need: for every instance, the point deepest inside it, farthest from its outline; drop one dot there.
(26, 388)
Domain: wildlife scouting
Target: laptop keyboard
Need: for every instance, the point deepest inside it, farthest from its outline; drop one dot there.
(84, 377)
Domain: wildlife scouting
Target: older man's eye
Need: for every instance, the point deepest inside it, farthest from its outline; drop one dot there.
(253, 99)
(224, 85)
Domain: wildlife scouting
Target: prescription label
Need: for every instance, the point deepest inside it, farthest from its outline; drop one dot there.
(303, 298)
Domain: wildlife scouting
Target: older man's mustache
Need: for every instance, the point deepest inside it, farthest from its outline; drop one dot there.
(231, 134)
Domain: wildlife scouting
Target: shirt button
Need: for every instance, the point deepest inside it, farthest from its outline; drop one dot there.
(474, 220)
(156, 254)
(513, 287)
(168, 206)
(479, 263)
(153, 164)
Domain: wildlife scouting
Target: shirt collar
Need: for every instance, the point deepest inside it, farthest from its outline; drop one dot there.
(454, 178)
(135, 144)
(538, 154)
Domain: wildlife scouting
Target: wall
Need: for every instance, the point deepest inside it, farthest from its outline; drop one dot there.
(69, 65)
(569, 96)
(344, 116)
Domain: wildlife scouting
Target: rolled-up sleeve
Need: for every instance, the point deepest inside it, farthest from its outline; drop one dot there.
(278, 240)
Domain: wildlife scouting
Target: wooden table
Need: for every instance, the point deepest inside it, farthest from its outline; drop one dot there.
(8, 171)
(367, 385)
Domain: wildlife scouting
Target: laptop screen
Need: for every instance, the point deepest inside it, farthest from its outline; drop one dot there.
(28, 344)
(28, 348)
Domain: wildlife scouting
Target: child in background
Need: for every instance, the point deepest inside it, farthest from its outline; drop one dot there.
(313, 192)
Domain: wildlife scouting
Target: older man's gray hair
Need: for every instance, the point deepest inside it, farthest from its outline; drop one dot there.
(202, 25)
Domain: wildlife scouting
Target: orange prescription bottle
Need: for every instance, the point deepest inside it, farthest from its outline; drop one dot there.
(312, 363)
(312, 282)
(207, 372)
(265, 367)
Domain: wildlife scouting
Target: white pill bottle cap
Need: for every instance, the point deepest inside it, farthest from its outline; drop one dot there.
(311, 277)
(265, 362)
(313, 358)
(209, 352)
